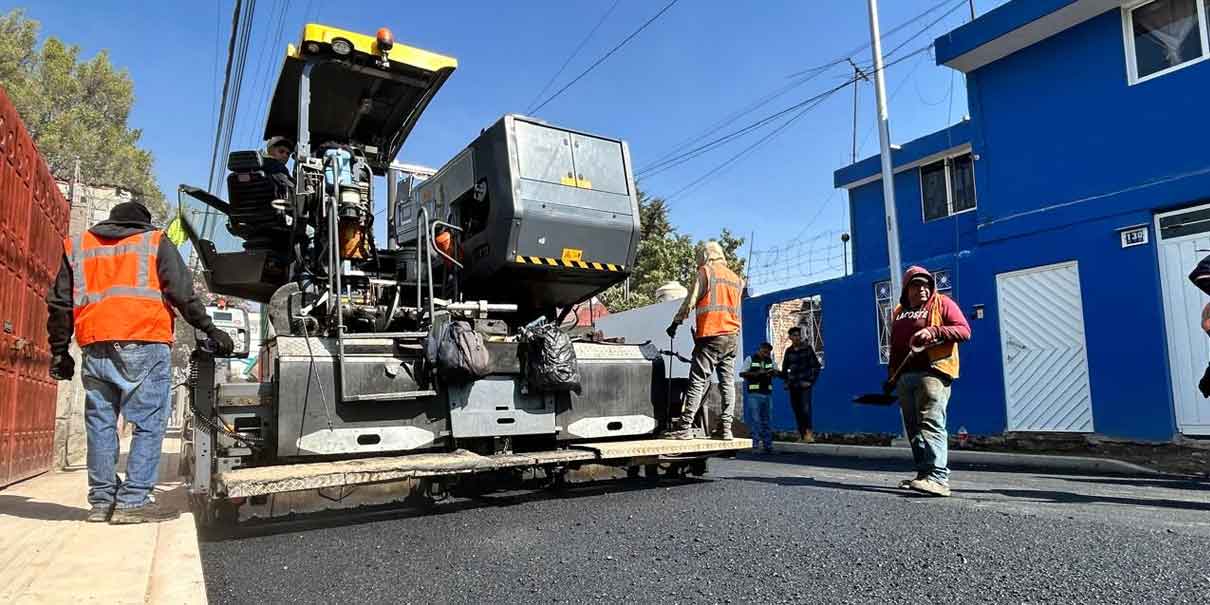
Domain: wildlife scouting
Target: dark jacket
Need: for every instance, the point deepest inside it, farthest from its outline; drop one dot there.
(170, 268)
(1201, 275)
(800, 365)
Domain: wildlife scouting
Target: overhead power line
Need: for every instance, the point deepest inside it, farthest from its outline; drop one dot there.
(572, 56)
(615, 49)
(235, 26)
(679, 154)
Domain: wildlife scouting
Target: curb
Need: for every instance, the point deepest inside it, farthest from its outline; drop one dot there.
(1038, 462)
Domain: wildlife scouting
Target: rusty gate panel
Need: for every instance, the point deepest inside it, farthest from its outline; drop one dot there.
(33, 222)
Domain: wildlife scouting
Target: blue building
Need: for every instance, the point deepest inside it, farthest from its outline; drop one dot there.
(1063, 216)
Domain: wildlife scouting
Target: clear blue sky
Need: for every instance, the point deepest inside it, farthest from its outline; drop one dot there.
(702, 61)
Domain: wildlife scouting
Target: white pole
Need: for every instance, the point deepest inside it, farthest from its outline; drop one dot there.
(884, 139)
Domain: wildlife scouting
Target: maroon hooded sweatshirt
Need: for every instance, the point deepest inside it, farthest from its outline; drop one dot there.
(909, 321)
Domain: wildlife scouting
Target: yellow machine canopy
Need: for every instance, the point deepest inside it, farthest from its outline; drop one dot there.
(366, 91)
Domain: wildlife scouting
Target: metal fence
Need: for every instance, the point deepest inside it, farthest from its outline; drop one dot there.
(33, 222)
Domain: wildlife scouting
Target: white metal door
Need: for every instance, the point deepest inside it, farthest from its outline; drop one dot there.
(1188, 346)
(1042, 337)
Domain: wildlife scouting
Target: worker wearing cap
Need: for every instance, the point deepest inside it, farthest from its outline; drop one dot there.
(931, 324)
(277, 153)
(715, 296)
(117, 286)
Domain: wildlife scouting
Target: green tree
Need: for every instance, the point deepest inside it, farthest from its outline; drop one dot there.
(75, 109)
(664, 255)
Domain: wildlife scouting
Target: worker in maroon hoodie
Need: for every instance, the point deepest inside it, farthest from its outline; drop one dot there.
(932, 325)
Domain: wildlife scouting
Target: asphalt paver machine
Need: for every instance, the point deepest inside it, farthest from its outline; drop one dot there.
(527, 221)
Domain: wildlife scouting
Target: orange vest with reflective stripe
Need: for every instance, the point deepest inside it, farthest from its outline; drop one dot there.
(718, 304)
(116, 289)
(942, 357)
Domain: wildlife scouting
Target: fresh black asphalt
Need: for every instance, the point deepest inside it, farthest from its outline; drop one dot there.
(781, 529)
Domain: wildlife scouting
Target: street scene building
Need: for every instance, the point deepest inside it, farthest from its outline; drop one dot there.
(320, 316)
(1063, 215)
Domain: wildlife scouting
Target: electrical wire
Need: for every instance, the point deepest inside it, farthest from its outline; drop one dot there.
(814, 102)
(572, 56)
(613, 50)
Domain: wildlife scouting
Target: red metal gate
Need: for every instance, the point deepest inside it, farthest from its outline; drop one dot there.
(33, 222)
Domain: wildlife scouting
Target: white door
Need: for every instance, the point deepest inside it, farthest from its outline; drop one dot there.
(1042, 339)
(1182, 235)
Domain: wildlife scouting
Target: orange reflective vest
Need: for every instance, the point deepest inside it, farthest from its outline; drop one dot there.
(718, 304)
(116, 289)
(942, 357)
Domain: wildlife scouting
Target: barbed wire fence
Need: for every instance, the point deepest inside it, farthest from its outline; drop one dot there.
(800, 261)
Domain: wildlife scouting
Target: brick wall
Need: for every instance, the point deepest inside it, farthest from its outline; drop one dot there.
(805, 313)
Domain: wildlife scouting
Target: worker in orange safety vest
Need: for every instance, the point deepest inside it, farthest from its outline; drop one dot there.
(117, 286)
(714, 295)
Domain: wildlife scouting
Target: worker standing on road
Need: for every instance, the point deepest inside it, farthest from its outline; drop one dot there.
(932, 324)
(113, 291)
(800, 369)
(715, 295)
(759, 370)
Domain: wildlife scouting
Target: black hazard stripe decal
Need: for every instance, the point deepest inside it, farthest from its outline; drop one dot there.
(569, 264)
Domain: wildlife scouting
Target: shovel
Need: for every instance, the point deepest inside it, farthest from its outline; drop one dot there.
(885, 398)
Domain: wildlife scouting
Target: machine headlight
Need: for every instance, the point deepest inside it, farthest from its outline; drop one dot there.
(341, 46)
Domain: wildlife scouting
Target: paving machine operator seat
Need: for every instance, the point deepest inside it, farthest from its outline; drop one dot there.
(254, 215)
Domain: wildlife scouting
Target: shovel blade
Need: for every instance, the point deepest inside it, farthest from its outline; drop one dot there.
(876, 399)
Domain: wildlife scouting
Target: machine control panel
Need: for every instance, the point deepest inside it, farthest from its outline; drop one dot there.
(235, 323)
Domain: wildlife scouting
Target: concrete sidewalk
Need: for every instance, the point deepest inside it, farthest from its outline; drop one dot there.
(48, 554)
(1033, 462)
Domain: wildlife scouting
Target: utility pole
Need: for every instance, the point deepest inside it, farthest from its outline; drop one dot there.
(75, 184)
(884, 140)
(971, 3)
(857, 75)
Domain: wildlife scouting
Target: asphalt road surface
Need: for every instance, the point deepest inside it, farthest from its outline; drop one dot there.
(779, 529)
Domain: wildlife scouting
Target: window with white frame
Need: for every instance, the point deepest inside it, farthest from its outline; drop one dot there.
(1163, 35)
(947, 186)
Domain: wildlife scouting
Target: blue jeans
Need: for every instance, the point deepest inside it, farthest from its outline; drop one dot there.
(923, 399)
(761, 406)
(131, 378)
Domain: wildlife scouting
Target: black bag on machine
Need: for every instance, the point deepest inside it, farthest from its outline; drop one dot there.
(458, 352)
(550, 360)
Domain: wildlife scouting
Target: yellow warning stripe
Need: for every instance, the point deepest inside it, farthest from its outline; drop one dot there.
(570, 264)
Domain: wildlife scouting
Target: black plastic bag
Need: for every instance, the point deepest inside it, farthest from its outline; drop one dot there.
(550, 359)
(458, 352)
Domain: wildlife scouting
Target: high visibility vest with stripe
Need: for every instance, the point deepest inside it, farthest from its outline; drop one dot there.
(942, 357)
(116, 289)
(765, 384)
(718, 305)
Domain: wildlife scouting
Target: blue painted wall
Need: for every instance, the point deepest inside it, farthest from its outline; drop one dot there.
(1057, 127)
(1068, 153)
(923, 240)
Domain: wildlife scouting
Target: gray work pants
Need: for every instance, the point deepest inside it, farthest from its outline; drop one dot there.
(712, 355)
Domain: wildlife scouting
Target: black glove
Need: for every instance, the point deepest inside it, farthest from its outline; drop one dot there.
(223, 345)
(671, 331)
(62, 367)
(1203, 385)
(888, 387)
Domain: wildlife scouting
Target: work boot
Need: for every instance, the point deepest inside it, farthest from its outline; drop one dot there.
(808, 437)
(678, 434)
(151, 512)
(907, 483)
(930, 487)
(99, 513)
(724, 433)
